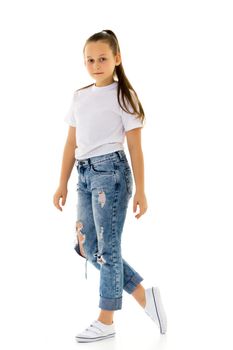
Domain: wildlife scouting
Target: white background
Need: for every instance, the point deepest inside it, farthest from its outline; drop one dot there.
(178, 57)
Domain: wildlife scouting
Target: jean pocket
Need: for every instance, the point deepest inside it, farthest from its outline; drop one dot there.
(104, 168)
(129, 180)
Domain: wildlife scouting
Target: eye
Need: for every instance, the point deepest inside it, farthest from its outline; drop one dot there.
(90, 60)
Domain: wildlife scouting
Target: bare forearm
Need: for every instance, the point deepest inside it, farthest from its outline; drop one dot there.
(68, 161)
(137, 162)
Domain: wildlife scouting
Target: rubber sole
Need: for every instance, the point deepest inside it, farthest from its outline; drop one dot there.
(159, 310)
(88, 340)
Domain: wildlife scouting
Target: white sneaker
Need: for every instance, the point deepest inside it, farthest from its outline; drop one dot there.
(96, 331)
(154, 308)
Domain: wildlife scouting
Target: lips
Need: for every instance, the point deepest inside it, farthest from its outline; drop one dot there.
(99, 73)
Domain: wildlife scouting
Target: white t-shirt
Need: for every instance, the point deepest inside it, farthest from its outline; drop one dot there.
(99, 120)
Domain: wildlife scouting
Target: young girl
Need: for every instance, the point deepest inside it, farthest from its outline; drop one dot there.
(100, 116)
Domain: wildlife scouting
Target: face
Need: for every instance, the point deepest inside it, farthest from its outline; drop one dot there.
(100, 62)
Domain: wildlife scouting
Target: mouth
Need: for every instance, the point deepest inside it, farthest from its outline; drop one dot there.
(99, 73)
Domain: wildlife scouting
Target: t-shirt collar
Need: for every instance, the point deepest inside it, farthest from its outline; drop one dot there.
(104, 88)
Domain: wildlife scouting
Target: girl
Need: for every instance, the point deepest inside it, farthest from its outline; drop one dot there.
(100, 116)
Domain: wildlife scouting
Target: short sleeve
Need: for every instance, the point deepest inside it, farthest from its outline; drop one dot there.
(70, 115)
(130, 121)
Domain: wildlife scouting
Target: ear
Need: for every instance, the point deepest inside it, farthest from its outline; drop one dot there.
(118, 59)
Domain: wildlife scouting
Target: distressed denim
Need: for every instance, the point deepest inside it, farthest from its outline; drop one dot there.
(105, 185)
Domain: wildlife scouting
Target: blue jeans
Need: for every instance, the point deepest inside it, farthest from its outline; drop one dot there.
(105, 185)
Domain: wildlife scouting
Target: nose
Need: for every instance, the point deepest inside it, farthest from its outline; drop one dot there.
(97, 65)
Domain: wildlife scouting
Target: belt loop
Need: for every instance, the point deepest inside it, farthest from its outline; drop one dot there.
(119, 154)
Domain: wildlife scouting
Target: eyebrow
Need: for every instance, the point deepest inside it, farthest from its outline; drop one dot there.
(103, 54)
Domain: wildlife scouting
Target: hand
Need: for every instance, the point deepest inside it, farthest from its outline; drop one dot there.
(60, 193)
(139, 199)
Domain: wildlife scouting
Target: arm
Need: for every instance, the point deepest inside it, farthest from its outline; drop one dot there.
(66, 168)
(136, 155)
(68, 156)
(134, 145)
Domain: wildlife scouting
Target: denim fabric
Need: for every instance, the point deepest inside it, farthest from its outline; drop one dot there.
(105, 185)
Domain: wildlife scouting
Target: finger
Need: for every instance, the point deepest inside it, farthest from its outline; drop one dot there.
(56, 203)
(141, 212)
(134, 207)
(138, 214)
(63, 200)
(135, 203)
(58, 206)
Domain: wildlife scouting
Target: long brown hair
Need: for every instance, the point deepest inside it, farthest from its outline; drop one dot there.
(124, 89)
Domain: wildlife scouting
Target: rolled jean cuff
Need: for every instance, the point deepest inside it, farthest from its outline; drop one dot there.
(132, 283)
(110, 303)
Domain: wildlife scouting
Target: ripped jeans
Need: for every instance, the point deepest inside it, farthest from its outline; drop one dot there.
(104, 188)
